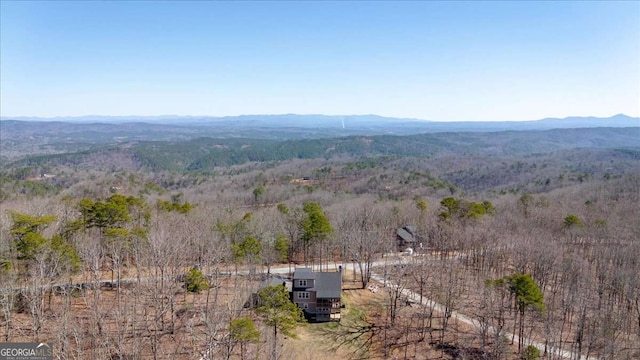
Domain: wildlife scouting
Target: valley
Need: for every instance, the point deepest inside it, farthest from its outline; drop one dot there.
(131, 219)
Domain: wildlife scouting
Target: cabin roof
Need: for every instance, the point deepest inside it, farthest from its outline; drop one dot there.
(304, 273)
(405, 235)
(328, 285)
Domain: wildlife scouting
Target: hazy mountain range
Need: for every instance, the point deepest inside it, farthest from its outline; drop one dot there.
(201, 144)
(287, 126)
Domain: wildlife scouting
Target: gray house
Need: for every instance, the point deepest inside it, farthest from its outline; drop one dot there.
(407, 237)
(317, 294)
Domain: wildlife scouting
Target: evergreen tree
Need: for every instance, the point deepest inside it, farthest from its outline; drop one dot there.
(527, 294)
(315, 226)
(195, 281)
(278, 312)
(571, 220)
(282, 248)
(243, 331)
(26, 231)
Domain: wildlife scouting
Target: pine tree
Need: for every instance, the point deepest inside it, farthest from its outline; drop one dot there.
(278, 312)
(243, 331)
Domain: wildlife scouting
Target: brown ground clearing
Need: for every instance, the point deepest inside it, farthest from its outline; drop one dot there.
(141, 324)
(316, 342)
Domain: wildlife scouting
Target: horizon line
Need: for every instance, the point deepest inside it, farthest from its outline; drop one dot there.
(169, 116)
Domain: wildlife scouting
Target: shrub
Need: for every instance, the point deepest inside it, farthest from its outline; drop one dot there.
(571, 220)
(195, 281)
(531, 353)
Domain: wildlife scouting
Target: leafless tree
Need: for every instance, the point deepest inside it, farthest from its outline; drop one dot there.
(365, 235)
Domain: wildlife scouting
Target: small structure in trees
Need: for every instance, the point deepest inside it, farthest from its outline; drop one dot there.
(317, 294)
(407, 237)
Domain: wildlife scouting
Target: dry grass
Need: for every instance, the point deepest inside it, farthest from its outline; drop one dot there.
(365, 308)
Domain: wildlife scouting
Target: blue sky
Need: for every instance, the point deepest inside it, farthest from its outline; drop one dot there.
(442, 61)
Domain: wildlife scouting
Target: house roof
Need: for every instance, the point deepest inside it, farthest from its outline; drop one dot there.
(273, 280)
(328, 285)
(304, 273)
(405, 235)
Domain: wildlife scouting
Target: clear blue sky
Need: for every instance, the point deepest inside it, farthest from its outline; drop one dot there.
(430, 60)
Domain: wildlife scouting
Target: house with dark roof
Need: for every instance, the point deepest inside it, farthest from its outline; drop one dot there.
(317, 294)
(407, 237)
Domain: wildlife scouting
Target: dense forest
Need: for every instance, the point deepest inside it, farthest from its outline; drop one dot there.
(150, 249)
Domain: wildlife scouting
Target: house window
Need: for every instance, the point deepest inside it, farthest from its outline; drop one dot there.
(303, 305)
(302, 283)
(303, 295)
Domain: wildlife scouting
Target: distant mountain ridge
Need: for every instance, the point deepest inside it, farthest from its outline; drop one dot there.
(206, 153)
(108, 129)
(351, 122)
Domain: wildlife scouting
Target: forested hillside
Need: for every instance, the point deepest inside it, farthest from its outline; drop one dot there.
(151, 249)
(61, 135)
(206, 153)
